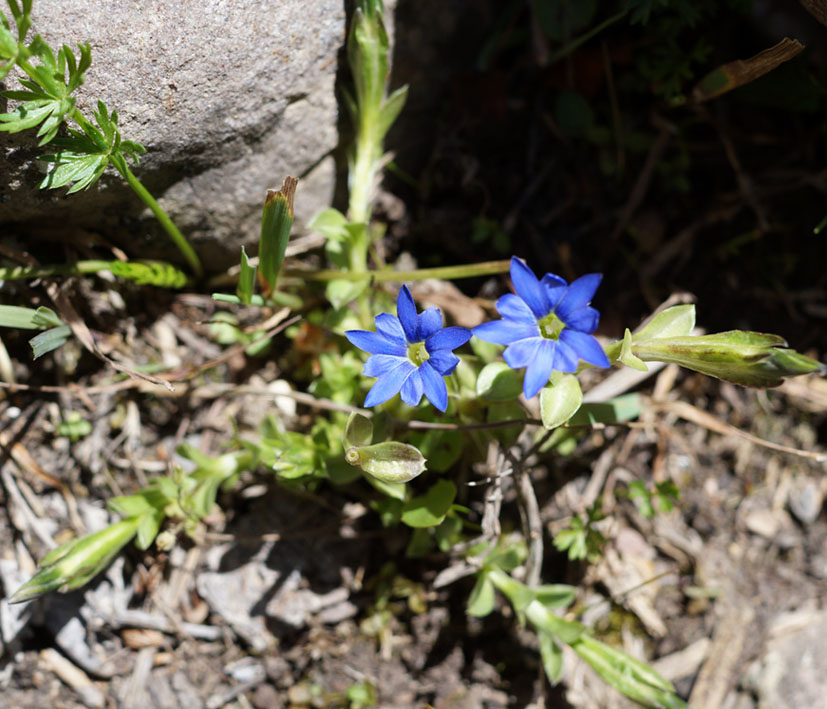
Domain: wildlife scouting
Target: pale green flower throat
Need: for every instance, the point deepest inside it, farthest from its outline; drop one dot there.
(417, 353)
(551, 326)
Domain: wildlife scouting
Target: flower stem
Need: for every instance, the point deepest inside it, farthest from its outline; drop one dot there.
(177, 237)
(444, 272)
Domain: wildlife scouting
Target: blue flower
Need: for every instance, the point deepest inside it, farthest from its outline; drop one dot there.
(410, 354)
(547, 326)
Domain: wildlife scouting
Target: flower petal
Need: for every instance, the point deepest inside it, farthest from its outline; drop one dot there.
(448, 338)
(528, 288)
(555, 288)
(389, 326)
(584, 319)
(444, 362)
(434, 386)
(412, 389)
(504, 332)
(374, 343)
(514, 308)
(579, 295)
(520, 353)
(428, 323)
(587, 347)
(539, 369)
(380, 364)
(406, 310)
(389, 384)
(565, 357)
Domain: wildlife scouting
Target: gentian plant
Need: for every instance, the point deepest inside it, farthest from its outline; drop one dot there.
(484, 413)
(547, 326)
(410, 353)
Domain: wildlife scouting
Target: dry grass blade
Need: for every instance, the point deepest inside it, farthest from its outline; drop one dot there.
(702, 418)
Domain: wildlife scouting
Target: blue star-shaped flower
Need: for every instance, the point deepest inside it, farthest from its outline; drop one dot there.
(547, 326)
(410, 354)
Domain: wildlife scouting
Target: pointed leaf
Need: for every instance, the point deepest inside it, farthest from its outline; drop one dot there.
(559, 402)
(276, 223)
(429, 510)
(677, 321)
(627, 357)
(358, 431)
(481, 600)
(498, 382)
(552, 655)
(246, 279)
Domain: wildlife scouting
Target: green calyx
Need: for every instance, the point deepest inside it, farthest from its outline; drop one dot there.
(551, 326)
(418, 354)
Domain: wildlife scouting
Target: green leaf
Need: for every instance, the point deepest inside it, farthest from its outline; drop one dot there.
(628, 675)
(151, 273)
(246, 279)
(148, 529)
(50, 340)
(626, 355)
(276, 223)
(130, 505)
(441, 448)
(677, 321)
(46, 317)
(568, 631)
(397, 491)
(555, 595)
(622, 408)
(429, 510)
(391, 109)
(498, 382)
(74, 427)
(331, 224)
(47, 99)
(506, 557)
(342, 292)
(27, 318)
(80, 170)
(560, 401)
(481, 600)
(358, 431)
(75, 563)
(552, 655)
(747, 358)
(390, 461)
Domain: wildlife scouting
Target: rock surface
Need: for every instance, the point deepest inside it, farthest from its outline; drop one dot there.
(227, 97)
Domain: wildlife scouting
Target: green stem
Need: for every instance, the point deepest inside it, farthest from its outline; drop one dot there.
(567, 49)
(70, 269)
(444, 272)
(177, 237)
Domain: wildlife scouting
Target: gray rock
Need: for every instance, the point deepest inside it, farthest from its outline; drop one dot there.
(806, 499)
(793, 670)
(227, 97)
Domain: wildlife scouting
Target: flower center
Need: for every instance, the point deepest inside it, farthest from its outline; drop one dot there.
(551, 326)
(417, 353)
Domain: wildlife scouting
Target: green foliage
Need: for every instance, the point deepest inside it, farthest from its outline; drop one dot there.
(13, 48)
(582, 540)
(83, 156)
(46, 102)
(47, 99)
(560, 401)
(77, 562)
(74, 427)
(276, 223)
(649, 502)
